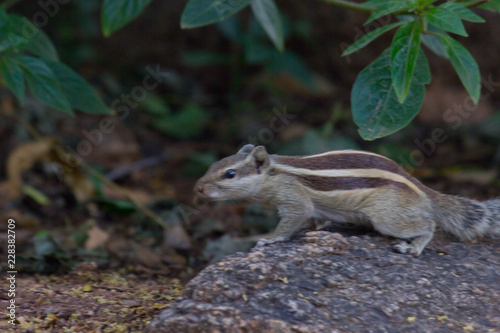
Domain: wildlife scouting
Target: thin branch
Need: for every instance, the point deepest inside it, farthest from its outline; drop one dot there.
(141, 164)
(473, 3)
(350, 5)
(142, 207)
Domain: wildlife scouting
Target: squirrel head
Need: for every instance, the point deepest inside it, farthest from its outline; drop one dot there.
(236, 176)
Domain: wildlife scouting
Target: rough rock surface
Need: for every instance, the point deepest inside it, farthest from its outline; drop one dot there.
(325, 282)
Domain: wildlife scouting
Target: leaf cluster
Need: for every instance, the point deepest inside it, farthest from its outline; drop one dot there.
(393, 84)
(203, 12)
(420, 22)
(385, 97)
(28, 58)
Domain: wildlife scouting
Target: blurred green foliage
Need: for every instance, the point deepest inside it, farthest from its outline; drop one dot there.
(256, 51)
(378, 94)
(117, 13)
(391, 96)
(51, 81)
(28, 57)
(186, 123)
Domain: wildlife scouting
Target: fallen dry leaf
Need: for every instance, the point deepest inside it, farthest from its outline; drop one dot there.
(96, 238)
(132, 252)
(23, 220)
(172, 258)
(21, 159)
(146, 257)
(176, 237)
(80, 185)
(27, 154)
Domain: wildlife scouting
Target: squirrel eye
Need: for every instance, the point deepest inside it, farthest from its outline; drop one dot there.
(230, 173)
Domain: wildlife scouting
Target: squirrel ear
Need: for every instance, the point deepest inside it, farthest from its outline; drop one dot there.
(246, 149)
(260, 158)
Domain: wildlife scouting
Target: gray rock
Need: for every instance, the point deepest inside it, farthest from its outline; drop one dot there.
(325, 282)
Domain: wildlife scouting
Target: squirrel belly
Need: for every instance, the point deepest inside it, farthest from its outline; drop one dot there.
(347, 185)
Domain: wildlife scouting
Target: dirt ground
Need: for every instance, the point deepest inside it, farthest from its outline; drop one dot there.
(88, 300)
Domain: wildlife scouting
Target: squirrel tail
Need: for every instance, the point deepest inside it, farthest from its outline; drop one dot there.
(493, 208)
(467, 218)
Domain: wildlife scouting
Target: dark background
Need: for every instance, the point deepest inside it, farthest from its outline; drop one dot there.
(212, 101)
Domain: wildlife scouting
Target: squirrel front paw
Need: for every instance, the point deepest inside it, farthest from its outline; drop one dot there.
(404, 247)
(264, 241)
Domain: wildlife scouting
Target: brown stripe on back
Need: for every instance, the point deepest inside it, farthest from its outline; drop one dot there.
(340, 161)
(321, 183)
(347, 161)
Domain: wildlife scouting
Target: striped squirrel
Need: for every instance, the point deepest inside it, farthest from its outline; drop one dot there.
(346, 185)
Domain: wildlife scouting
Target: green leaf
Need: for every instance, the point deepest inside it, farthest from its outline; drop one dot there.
(258, 53)
(291, 63)
(36, 195)
(465, 66)
(12, 38)
(387, 8)
(42, 46)
(13, 76)
(48, 247)
(204, 58)
(230, 28)
(44, 84)
(375, 106)
(187, 123)
(203, 12)
(404, 51)
(446, 20)
(155, 104)
(369, 37)
(20, 34)
(464, 13)
(422, 3)
(43, 244)
(422, 74)
(492, 5)
(3, 17)
(268, 16)
(117, 13)
(116, 206)
(79, 93)
(433, 42)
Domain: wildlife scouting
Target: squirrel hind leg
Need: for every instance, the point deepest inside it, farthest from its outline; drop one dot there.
(416, 246)
(419, 229)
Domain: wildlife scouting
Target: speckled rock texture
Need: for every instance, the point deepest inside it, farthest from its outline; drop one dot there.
(326, 282)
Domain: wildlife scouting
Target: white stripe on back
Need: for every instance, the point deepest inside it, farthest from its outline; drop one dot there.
(340, 152)
(360, 173)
